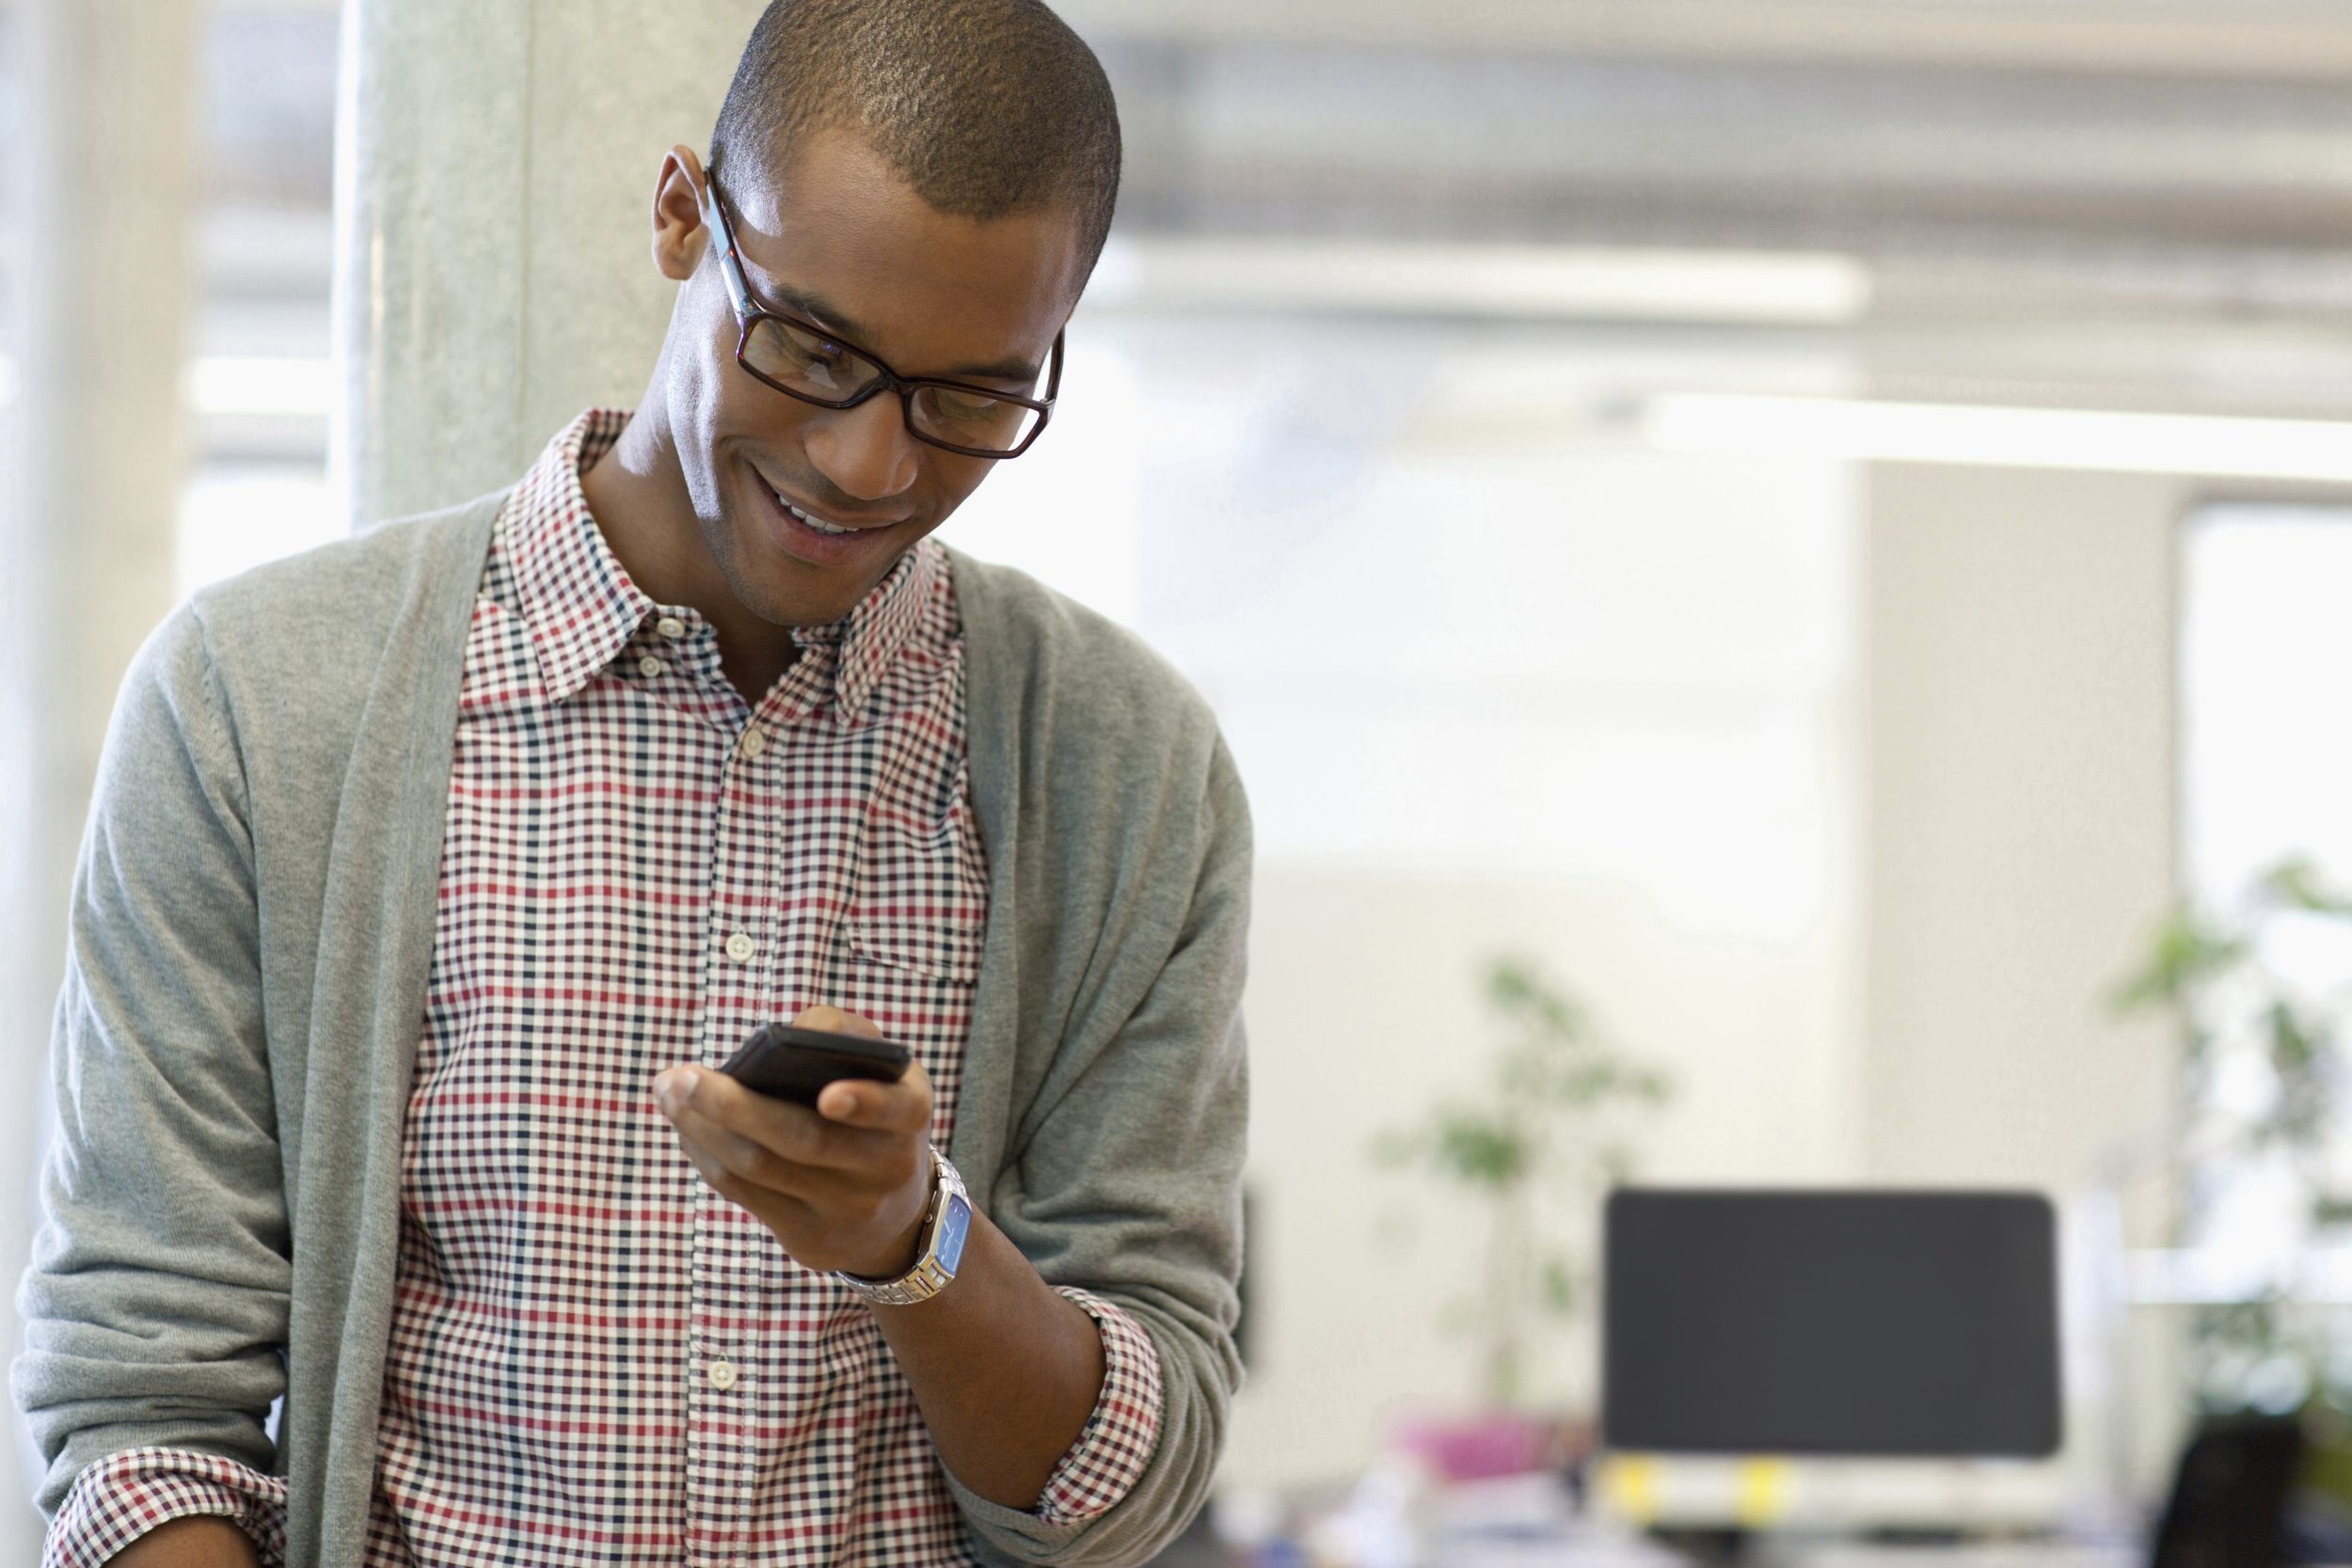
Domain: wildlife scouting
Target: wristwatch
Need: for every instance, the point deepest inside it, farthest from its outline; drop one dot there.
(946, 1223)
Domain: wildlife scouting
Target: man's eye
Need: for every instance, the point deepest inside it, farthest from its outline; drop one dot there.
(809, 350)
(963, 406)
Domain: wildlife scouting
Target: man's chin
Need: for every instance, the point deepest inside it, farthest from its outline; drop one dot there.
(794, 594)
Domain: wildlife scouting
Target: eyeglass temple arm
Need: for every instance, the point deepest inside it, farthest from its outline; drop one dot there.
(1053, 379)
(722, 236)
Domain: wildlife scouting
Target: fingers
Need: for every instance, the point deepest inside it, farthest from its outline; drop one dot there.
(897, 1109)
(785, 1146)
(834, 1020)
(718, 1152)
(797, 1200)
(902, 1107)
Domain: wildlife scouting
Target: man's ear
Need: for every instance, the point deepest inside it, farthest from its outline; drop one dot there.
(678, 231)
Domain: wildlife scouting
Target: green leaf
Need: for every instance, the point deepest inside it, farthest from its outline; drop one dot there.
(2294, 1046)
(1561, 1295)
(2296, 882)
(2184, 953)
(1478, 1150)
(1516, 990)
(1510, 982)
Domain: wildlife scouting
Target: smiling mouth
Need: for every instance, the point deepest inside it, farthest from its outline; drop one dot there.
(813, 521)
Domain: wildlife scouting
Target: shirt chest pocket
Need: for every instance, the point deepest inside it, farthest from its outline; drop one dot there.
(944, 950)
(921, 908)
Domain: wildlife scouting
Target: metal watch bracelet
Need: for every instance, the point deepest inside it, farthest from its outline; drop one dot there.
(942, 1244)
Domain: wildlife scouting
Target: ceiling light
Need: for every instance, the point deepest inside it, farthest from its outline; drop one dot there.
(2000, 438)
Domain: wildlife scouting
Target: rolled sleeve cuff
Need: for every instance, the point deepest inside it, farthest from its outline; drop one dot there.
(125, 1495)
(1118, 1438)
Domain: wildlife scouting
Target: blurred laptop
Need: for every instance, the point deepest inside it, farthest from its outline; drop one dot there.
(1825, 1321)
(1903, 1324)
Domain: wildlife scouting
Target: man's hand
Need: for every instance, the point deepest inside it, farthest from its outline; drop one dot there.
(1006, 1370)
(843, 1186)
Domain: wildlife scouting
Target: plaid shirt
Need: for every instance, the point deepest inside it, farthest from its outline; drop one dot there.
(593, 1357)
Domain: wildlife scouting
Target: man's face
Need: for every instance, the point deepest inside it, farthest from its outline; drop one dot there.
(837, 239)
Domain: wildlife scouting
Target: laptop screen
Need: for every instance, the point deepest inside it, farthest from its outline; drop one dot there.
(1829, 1323)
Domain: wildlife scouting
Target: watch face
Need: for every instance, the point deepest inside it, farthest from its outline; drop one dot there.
(954, 1226)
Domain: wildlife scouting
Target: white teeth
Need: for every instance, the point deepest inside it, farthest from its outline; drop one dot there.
(816, 524)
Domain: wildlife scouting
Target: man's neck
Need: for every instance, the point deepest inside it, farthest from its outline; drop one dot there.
(637, 495)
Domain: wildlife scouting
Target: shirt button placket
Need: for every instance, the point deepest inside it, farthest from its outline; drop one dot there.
(740, 996)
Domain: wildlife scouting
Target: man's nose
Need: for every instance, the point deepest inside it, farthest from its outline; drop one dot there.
(867, 452)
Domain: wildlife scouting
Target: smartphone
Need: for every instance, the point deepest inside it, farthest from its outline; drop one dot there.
(796, 1064)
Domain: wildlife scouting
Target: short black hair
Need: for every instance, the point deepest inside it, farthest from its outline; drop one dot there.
(985, 107)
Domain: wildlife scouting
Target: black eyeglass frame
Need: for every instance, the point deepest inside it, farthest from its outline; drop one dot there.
(749, 309)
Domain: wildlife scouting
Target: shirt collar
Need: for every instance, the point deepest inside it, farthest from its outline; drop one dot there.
(575, 595)
(865, 641)
(583, 610)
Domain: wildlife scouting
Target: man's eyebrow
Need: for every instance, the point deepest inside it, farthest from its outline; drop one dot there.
(822, 313)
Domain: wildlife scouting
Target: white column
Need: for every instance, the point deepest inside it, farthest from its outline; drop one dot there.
(2022, 782)
(494, 199)
(102, 274)
(2021, 785)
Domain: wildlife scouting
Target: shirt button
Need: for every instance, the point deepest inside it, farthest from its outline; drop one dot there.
(670, 625)
(753, 743)
(741, 948)
(722, 1374)
(650, 667)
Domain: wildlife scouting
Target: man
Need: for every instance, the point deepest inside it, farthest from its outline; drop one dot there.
(431, 874)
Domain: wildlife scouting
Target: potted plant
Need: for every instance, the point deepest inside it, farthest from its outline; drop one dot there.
(2261, 992)
(1550, 1132)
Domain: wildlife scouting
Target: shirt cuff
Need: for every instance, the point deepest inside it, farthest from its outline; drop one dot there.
(125, 1495)
(1110, 1455)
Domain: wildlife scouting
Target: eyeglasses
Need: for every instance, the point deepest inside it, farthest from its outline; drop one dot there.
(806, 361)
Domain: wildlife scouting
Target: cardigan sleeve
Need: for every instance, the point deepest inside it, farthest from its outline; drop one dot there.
(1128, 1183)
(155, 1307)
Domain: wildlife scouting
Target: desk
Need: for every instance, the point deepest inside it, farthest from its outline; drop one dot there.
(1846, 1554)
(1530, 1554)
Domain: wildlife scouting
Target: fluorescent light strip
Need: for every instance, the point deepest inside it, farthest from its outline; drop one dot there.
(1507, 281)
(2000, 438)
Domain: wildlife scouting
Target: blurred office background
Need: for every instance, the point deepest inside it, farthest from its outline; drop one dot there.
(1813, 520)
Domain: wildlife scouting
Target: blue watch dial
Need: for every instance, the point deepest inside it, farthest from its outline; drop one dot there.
(954, 1226)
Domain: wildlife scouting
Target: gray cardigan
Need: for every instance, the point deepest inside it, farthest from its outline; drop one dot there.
(252, 927)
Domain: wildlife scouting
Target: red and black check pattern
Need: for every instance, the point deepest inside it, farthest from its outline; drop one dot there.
(127, 1493)
(593, 1357)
